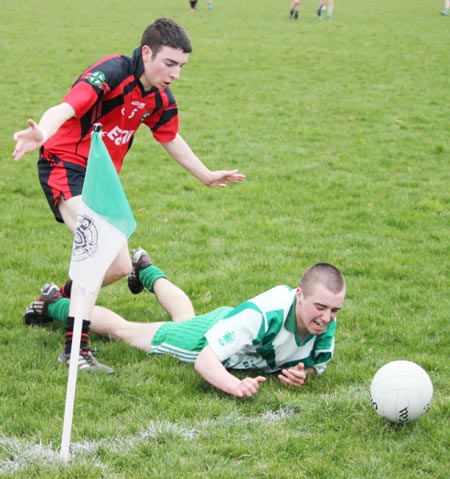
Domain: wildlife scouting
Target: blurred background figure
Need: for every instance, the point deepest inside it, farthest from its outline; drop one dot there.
(328, 6)
(193, 4)
(295, 9)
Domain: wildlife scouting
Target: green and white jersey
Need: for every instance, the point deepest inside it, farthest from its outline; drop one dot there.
(262, 334)
(258, 334)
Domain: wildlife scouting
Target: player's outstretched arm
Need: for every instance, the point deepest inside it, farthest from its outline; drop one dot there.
(295, 376)
(212, 370)
(37, 134)
(180, 151)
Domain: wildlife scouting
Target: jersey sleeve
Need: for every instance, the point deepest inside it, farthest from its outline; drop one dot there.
(242, 327)
(96, 81)
(81, 98)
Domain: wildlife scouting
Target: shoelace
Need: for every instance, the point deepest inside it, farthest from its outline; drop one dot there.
(87, 354)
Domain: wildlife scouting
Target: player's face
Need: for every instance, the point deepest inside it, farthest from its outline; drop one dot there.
(161, 70)
(316, 311)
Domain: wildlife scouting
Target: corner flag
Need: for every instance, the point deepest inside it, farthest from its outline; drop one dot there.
(105, 220)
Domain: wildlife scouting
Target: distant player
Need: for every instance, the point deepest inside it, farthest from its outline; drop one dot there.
(122, 93)
(295, 10)
(193, 4)
(446, 11)
(325, 5)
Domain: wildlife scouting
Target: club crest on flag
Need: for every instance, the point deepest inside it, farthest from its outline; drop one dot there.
(85, 242)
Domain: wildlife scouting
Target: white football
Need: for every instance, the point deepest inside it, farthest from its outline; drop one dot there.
(401, 391)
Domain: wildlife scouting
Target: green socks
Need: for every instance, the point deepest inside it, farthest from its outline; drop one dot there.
(59, 310)
(149, 275)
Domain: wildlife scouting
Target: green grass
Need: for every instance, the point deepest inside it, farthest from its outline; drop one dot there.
(342, 130)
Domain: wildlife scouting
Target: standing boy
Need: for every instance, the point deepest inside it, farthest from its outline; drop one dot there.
(121, 93)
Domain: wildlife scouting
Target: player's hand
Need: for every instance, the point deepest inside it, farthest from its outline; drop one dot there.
(223, 177)
(247, 387)
(295, 376)
(28, 140)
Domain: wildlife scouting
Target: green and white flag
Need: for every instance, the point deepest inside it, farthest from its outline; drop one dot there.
(105, 220)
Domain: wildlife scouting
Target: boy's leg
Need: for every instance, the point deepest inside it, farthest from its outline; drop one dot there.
(320, 9)
(330, 8)
(121, 266)
(90, 298)
(171, 298)
(446, 10)
(52, 306)
(295, 8)
(109, 324)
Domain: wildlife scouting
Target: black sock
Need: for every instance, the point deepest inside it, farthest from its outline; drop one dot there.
(69, 334)
(66, 289)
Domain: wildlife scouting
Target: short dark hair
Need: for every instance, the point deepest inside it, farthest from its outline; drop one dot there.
(165, 32)
(325, 274)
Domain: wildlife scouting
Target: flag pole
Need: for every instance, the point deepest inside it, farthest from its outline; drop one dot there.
(73, 373)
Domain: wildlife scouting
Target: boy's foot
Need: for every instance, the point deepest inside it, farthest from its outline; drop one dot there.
(445, 12)
(319, 13)
(140, 260)
(86, 361)
(36, 313)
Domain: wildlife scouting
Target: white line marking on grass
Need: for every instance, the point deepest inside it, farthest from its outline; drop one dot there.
(19, 454)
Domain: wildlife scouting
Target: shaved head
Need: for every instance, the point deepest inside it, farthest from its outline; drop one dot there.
(325, 274)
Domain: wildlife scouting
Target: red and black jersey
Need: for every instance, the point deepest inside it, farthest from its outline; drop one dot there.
(109, 92)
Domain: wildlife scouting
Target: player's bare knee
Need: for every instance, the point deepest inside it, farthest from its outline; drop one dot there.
(117, 271)
(123, 271)
(122, 334)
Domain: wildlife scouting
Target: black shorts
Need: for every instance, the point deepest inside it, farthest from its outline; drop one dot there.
(60, 179)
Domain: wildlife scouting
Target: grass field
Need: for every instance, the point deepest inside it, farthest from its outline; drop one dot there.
(342, 129)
